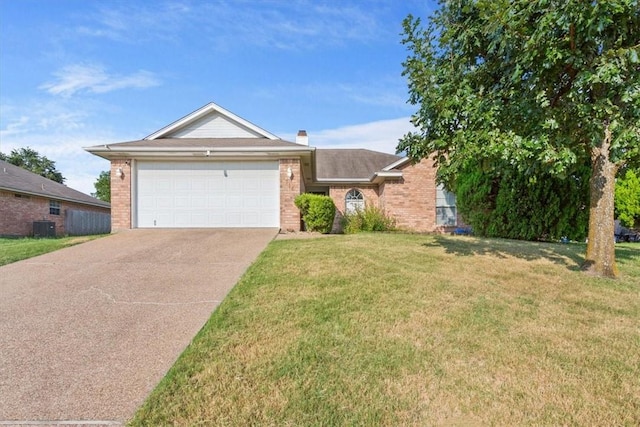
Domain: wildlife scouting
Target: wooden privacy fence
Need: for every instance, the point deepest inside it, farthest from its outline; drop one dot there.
(81, 223)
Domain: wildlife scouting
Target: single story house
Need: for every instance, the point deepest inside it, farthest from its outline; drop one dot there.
(213, 168)
(27, 198)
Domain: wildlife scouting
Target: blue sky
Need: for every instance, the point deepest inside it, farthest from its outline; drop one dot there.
(76, 73)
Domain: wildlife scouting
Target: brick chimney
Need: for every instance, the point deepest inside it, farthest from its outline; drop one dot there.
(302, 138)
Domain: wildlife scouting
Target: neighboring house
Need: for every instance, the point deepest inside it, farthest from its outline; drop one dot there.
(212, 168)
(26, 197)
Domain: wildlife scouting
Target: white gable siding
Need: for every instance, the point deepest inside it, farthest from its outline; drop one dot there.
(214, 125)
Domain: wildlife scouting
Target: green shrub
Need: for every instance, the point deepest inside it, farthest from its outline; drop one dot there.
(628, 198)
(370, 218)
(302, 202)
(317, 211)
(498, 200)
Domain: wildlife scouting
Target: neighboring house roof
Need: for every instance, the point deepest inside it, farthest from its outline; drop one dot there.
(352, 165)
(19, 180)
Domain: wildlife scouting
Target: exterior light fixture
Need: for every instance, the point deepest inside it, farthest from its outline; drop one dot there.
(289, 173)
(119, 172)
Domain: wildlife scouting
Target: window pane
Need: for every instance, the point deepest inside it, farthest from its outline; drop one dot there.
(354, 201)
(54, 207)
(354, 205)
(444, 197)
(446, 215)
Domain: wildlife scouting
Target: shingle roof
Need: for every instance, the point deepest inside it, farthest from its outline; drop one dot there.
(14, 178)
(350, 163)
(206, 142)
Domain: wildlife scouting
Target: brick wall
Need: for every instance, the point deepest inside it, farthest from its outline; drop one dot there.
(338, 194)
(412, 199)
(120, 195)
(17, 214)
(289, 189)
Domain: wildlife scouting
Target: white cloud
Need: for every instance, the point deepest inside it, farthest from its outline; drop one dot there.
(296, 25)
(93, 78)
(274, 24)
(132, 23)
(382, 135)
(57, 130)
(16, 127)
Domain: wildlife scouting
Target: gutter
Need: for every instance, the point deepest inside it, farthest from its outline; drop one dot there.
(108, 152)
(376, 178)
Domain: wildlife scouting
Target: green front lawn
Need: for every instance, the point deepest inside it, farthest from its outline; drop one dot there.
(12, 250)
(399, 329)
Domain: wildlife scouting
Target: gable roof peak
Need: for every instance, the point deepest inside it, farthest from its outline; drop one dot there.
(200, 113)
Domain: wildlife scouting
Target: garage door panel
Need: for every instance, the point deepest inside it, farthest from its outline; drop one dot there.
(199, 203)
(164, 203)
(208, 194)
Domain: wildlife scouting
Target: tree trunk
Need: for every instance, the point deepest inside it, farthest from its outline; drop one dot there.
(601, 256)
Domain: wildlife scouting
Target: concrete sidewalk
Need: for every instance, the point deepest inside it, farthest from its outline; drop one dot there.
(88, 331)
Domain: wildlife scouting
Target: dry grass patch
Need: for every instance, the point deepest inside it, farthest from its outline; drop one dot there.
(413, 330)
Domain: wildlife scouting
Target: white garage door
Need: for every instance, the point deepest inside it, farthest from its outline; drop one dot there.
(208, 194)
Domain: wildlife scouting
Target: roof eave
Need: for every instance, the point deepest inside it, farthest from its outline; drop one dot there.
(141, 152)
(343, 181)
(376, 178)
(396, 164)
(381, 176)
(56, 197)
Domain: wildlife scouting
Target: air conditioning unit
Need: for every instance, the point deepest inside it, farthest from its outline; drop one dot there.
(44, 229)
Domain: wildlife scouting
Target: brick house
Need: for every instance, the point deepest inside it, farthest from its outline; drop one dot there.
(212, 168)
(26, 197)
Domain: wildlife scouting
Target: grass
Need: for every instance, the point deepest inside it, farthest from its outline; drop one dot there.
(12, 250)
(398, 329)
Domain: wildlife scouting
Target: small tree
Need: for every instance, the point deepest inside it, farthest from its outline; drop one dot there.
(30, 160)
(628, 198)
(103, 186)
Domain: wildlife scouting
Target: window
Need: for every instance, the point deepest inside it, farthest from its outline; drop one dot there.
(54, 207)
(354, 201)
(445, 207)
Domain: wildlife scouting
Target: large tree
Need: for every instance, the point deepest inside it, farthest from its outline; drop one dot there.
(542, 84)
(31, 160)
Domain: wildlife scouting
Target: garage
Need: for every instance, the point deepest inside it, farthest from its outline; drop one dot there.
(194, 194)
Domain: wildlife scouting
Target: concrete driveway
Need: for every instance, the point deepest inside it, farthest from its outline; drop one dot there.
(88, 331)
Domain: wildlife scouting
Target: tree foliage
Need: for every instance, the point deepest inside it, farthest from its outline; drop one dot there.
(29, 159)
(628, 198)
(500, 201)
(103, 186)
(543, 85)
